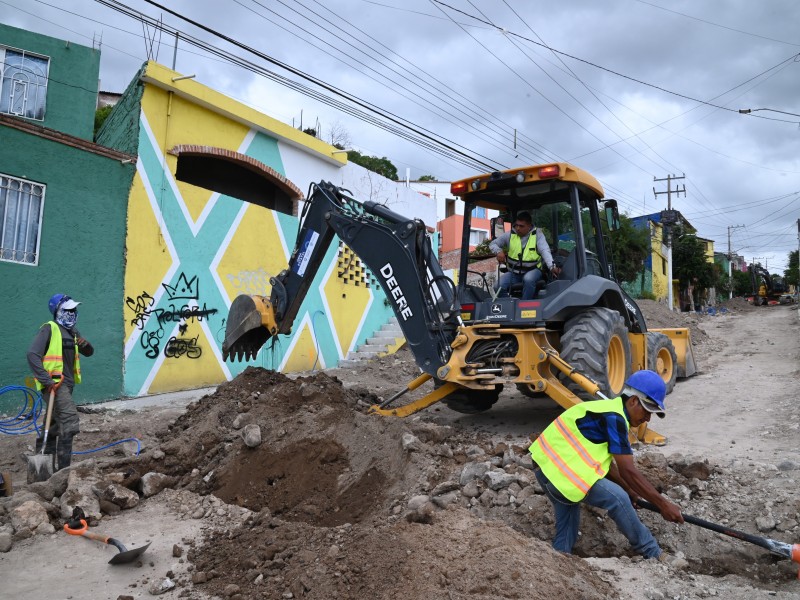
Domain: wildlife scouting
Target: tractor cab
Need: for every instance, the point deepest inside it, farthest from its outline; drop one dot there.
(566, 207)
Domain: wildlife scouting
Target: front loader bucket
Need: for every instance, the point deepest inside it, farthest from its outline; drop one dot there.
(250, 324)
(682, 341)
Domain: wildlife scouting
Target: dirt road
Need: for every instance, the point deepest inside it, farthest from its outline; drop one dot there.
(336, 503)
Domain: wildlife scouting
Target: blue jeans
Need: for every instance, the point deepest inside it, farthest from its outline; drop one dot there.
(604, 494)
(528, 280)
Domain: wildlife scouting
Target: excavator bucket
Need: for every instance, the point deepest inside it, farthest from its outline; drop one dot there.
(251, 322)
(681, 340)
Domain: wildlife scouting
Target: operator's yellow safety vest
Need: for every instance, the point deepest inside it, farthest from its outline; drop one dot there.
(526, 258)
(572, 463)
(53, 360)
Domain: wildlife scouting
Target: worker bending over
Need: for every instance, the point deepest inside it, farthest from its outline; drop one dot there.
(585, 454)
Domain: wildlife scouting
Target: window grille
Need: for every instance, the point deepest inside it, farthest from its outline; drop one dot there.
(21, 208)
(23, 83)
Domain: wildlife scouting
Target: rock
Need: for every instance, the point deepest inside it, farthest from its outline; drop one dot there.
(241, 420)
(696, 470)
(473, 470)
(471, 490)
(680, 492)
(152, 483)
(119, 495)
(6, 541)
(161, 587)
(410, 442)
(109, 508)
(177, 551)
(788, 465)
(417, 501)
(446, 499)
(252, 436)
(79, 492)
(498, 480)
(765, 523)
(158, 454)
(28, 516)
(199, 577)
(445, 487)
(430, 433)
(230, 590)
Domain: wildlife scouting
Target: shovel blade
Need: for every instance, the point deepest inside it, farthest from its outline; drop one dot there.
(129, 555)
(41, 467)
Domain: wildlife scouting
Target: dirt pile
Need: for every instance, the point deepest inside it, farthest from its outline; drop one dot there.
(344, 504)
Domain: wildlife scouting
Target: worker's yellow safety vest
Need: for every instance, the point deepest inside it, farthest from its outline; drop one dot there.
(526, 258)
(572, 463)
(53, 360)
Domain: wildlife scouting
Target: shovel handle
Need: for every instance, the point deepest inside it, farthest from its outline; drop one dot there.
(48, 416)
(84, 531)
(774, 546)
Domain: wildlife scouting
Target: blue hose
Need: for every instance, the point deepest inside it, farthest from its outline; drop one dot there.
(27, 419)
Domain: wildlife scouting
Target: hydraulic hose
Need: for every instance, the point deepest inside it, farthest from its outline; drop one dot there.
(27, 419)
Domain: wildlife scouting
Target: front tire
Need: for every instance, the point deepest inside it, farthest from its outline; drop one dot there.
(596, 343)
(661, 358)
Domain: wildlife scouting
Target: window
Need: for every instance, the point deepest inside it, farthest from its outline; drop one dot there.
(479, 212)
(23, 84)
(449, 208)
(476, 236)
(21, 206)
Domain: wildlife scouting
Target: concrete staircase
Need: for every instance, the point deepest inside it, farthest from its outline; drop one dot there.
(385, 341)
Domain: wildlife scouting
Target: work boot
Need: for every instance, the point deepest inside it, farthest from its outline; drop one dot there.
(676, 562)
(63, 452)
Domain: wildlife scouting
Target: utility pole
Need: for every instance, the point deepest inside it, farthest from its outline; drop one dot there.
(668, 220)
(730, 256)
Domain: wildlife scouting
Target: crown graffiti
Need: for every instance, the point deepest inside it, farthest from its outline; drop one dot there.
(185, 289)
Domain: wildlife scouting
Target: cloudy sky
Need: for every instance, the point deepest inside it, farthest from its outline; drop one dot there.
(630, 90)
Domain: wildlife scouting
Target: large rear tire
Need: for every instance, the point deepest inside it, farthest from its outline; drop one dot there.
(596, 343)
(471, 402)
(661, 358)
(526, 389)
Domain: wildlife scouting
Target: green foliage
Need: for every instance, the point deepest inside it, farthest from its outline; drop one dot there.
(100, 116)
(689, 264)
(381, 166)
(427, 178)
(629, 247)
(742, 286)
(310, 131)
(481, 251)
(790, 275)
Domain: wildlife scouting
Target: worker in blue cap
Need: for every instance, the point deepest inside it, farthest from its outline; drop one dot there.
(54, 359)
(586, 455)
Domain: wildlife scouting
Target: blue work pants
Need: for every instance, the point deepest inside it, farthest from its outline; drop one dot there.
(609, 496)
(528, 280)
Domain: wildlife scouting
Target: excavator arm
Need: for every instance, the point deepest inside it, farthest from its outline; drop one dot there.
(396, 249)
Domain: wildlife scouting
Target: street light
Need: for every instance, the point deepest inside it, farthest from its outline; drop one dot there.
(747, 111)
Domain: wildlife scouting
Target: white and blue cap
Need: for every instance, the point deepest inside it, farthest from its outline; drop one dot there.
(650, 389)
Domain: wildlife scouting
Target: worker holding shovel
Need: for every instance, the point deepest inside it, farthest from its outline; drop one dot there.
(54, 360)
(585, 455)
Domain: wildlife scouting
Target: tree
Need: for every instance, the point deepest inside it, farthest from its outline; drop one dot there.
(428, 178)
(689, 265)
(790, 275)
(100, 116)
(339, 136)
(629, 247)
(381, 166)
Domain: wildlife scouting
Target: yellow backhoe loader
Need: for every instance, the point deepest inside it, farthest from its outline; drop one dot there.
(581, 336)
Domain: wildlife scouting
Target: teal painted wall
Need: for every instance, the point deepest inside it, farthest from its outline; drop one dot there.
(81, 254)
(73, 76)
(120, 130)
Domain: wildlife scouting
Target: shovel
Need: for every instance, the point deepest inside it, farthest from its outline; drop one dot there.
(791, 551)
(42, 466)
(78, 526)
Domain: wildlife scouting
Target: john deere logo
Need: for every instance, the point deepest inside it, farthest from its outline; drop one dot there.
(496, 308)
